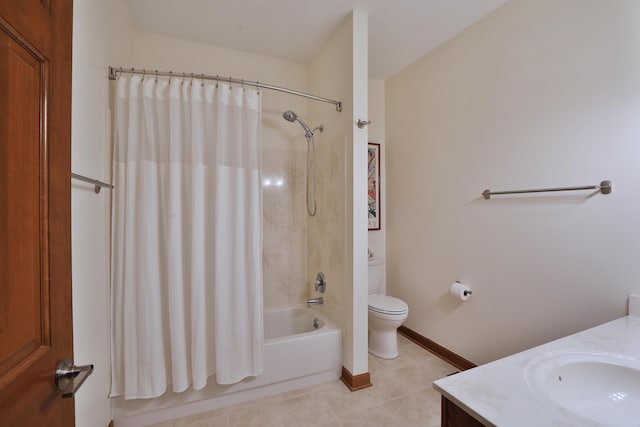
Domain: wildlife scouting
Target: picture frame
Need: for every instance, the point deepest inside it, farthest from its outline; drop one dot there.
(373, 185)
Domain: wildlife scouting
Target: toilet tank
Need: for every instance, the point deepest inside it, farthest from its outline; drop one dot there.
(375, 276)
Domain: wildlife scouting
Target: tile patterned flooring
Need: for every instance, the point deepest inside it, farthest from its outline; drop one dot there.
(401, 396)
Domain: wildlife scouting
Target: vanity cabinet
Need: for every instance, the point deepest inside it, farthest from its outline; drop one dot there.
(454, 416)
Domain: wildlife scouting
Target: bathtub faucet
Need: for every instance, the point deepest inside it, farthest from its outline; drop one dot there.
(314, 301)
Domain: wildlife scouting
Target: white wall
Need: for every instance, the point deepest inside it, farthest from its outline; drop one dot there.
(101, 37)
(337, 234)
(540, 93)
(377, 129)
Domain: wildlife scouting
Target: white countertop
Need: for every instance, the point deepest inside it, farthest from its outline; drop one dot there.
(498, 394)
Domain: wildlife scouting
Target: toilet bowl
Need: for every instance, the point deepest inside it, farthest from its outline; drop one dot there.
(386, 314)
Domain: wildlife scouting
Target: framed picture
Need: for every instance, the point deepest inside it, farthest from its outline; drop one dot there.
(373, 189)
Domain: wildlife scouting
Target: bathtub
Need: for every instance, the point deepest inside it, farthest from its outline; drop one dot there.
(301, 348)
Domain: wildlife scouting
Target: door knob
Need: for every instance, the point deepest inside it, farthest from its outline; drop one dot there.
(70, 377)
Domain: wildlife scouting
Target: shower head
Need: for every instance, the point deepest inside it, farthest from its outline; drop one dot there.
(290, 116)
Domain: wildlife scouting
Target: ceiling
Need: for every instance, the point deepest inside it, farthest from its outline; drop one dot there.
(400, 31)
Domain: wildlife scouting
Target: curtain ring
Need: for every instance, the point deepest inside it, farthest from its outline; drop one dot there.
(144, 72)
(191, 81)
(156, 76)
(170, 76)
(258, 87)
(217, 80)
(202, 83)
(230, 83)
(243, 89)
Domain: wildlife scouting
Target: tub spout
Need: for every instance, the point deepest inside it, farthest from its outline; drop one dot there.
(314, 301)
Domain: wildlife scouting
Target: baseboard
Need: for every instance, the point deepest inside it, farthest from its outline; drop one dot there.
(357, 382)
(435, 348)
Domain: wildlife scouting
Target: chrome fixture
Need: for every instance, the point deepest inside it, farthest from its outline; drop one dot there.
(290, 116)
(604, 188)
(113, 74)
(98, 184)
(314, 301)
(321, 283)
(316, 323)
(70, 377)
(362, 123)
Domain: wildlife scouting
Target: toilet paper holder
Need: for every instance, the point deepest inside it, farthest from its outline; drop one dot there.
(469, 292)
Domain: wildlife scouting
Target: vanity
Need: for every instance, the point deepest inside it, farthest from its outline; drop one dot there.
(591, 378)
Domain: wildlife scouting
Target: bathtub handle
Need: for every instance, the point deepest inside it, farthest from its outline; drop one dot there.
(321, 283)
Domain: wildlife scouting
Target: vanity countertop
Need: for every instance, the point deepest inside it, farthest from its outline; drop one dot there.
(498, 394)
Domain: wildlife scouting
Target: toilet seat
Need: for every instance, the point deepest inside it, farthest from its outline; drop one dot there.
(388, 305)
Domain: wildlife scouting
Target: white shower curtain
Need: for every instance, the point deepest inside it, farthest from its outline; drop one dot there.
(187, 236)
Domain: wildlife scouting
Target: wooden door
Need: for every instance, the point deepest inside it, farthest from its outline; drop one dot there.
(35, 210)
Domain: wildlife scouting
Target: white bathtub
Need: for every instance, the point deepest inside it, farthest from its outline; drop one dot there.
(296, 355)
(284, 322)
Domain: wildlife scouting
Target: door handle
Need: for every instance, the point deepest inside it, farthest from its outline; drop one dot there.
(70, 377)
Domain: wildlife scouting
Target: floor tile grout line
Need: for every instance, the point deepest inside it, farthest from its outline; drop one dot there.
(333, 413)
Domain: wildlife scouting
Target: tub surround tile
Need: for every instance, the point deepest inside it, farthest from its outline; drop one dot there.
(498, 394)
(284, 227)
(326, 231)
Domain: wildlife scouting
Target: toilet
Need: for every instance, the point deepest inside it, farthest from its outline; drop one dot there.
(386, 314)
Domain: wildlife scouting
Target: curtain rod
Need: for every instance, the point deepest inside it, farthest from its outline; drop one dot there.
(98, 184)
(113, 72)
(604, 188)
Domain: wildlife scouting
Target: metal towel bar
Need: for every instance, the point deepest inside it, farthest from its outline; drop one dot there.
(98, 184)
(604, 187)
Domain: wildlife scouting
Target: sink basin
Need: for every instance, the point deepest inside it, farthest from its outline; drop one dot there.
(602, 387)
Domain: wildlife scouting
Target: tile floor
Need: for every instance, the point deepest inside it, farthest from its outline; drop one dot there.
(401, 396)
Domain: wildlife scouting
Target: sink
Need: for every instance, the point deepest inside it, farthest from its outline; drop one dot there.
(601, 387)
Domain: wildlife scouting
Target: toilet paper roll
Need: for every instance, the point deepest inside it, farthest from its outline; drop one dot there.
(460, 290)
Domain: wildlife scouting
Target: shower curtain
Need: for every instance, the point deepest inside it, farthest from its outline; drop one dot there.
(186, 236)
